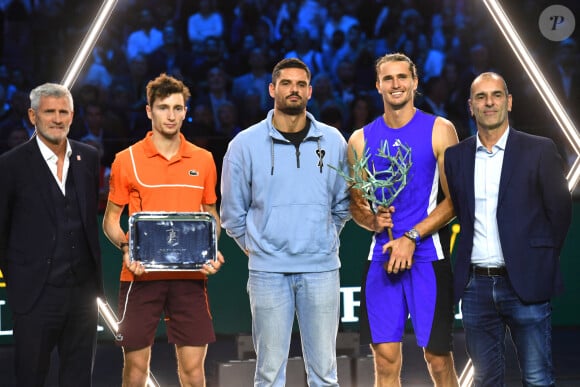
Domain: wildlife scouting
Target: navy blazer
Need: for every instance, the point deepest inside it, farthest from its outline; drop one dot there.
(534, 212)
(27, 218)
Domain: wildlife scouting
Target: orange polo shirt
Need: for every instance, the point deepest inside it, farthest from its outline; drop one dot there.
(146, 181)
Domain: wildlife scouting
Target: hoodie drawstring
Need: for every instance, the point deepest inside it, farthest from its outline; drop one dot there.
(271, 156)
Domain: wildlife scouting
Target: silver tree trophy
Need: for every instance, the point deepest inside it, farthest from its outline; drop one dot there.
(380, 187)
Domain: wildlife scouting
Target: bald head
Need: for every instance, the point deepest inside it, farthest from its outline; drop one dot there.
(488, 76)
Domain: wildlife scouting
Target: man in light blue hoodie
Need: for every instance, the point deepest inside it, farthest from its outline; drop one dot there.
(285, 207)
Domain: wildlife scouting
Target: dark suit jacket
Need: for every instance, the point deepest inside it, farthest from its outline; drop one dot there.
(27, 218)
(533, 213)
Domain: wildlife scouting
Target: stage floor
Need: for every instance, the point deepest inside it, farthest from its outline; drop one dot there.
(223, 369)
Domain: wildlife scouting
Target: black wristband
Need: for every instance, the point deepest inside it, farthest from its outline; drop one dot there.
(123, 244)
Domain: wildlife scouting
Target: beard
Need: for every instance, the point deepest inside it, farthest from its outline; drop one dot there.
(293, 109)
(52, 138)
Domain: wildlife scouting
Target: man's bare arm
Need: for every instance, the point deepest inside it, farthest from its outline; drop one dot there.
(444, 136)
(114, 232)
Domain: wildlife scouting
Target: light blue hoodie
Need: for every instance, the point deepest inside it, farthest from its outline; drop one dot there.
(282, 206)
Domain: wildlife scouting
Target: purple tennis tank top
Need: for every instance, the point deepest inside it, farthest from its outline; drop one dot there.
(419, 197)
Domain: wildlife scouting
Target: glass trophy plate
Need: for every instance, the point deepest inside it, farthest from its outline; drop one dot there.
(172, 241)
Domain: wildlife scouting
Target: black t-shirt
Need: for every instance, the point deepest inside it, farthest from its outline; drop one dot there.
(296, 138)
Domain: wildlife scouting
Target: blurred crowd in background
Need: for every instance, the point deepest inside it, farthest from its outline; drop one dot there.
(224, 50)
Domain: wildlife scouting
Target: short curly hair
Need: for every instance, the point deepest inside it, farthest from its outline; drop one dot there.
(165, 85)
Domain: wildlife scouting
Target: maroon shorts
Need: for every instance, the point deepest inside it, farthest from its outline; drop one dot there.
(183, 304)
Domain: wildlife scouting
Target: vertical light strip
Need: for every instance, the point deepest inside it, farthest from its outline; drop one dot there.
(88, 43)
(548, 96)
(544, 89)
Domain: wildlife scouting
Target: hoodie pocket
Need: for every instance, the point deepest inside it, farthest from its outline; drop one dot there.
(299, 229)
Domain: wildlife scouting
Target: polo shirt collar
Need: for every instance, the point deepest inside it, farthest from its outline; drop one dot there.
(151, 150)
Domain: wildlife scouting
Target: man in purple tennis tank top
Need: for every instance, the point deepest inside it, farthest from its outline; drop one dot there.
(411, 274)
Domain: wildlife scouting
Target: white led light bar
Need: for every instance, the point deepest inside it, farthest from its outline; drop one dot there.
(108, 315)
(466, 377)
(88, 43)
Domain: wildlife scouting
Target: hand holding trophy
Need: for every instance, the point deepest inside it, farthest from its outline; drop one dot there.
(380, 187)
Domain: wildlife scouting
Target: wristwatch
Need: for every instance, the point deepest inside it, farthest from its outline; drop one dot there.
(413, 235)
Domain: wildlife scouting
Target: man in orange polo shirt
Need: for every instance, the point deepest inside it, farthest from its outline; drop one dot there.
(163, 172)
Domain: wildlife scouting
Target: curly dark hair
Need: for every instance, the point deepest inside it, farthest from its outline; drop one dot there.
(165, 85)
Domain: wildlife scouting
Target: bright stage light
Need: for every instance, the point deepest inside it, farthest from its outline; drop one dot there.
(466, 377)
(108, 315)
(88, 43)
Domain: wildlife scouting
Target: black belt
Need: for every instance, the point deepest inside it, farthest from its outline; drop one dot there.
(489, 271)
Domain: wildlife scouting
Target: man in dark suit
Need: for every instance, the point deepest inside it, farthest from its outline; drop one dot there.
(512, 202)
(49, 248)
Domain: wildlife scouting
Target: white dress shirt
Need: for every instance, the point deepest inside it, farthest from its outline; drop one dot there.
(51, 159)
(487, 250)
